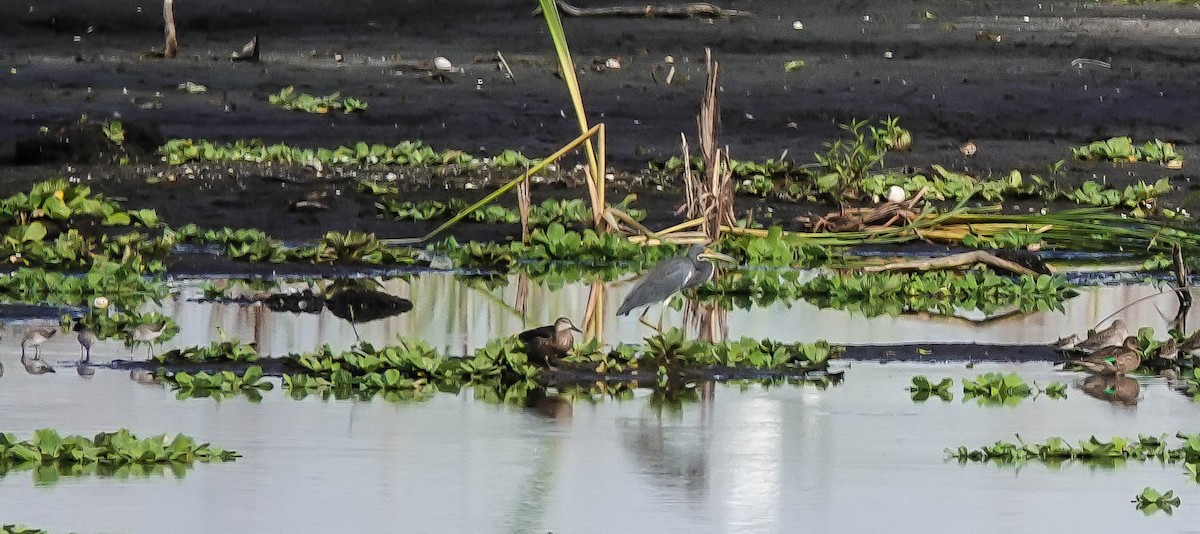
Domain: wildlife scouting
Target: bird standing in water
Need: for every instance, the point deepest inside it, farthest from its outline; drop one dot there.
(86, 338)
(147, 333)
(34, 337)
(546, 344)
(672, 276)
(1113, 360)
(1112, 335)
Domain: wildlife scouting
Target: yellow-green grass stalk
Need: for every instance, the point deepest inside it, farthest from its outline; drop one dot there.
(596, 163)
(587, 135)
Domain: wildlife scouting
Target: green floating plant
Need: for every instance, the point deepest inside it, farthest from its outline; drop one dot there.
(1150, 501)
(922, 388)
(121, 454)
(1122, 149)
(217, 385)
(1091, 451)
(404, 154)
(873, 294)
(217, 351)
(287, 98)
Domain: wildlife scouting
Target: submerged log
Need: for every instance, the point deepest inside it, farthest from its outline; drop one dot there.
(956, 261)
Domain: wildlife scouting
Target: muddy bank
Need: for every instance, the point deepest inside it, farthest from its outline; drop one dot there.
(1019, 99)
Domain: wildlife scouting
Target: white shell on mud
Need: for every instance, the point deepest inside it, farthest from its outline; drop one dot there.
(797, 25)
(612, 63)
(442, 64)
(896, 194)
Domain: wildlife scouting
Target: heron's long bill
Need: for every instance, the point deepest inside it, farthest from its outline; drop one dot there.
(709, 254)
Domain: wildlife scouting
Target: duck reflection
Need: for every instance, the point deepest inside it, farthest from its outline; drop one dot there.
(551, 406)
(1115, 389)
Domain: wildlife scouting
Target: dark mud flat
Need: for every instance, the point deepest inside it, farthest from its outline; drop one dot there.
(1019, 99)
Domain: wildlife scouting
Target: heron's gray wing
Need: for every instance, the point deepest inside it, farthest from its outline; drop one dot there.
(659, 283)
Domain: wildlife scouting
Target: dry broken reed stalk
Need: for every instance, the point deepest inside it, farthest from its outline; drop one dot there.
(711, 321)
(709, 197)
(523, 205)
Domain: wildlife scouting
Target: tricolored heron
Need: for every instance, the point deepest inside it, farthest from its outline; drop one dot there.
(546, 344)
(672, 276)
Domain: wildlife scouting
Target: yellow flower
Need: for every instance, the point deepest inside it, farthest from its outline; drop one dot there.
(58, 194)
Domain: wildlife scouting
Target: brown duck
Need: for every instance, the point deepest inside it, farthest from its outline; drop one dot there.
(1114, 360)
(546, 344)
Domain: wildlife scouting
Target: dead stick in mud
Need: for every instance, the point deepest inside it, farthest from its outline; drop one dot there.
(171, 45)
(689, 10)
(504, 65)
(955, 261)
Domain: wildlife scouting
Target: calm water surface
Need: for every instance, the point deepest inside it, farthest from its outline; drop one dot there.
(857, 457)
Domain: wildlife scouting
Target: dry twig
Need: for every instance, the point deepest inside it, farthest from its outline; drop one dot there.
(689, 10)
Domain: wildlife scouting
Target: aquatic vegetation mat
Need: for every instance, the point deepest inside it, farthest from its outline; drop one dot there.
(288, 99)
(874, 294)
(120, 454)
(1090, 451)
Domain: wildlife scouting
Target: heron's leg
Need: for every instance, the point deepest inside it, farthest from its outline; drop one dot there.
(642, 319)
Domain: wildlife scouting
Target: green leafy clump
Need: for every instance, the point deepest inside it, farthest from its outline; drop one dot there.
(1136, 196)
(776, 250)
(873, 294)
(217, 351)
(41, 228)
(996, 388)
(122, 284)
(1091, 451)
(1150, 501)
(846, 163)
(51, 455)
(561, 211)
(1055, 390)
(288, 99)
(415, 366)
(922, 388)
(21, 529)
(406, 153)
(352, 247)
(674, 348)
(1122, 149)
(217, 385)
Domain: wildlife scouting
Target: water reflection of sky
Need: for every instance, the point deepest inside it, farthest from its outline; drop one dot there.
(459, 318)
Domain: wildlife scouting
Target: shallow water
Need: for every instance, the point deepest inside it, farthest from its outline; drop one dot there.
(856, 457)
(459, 318)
